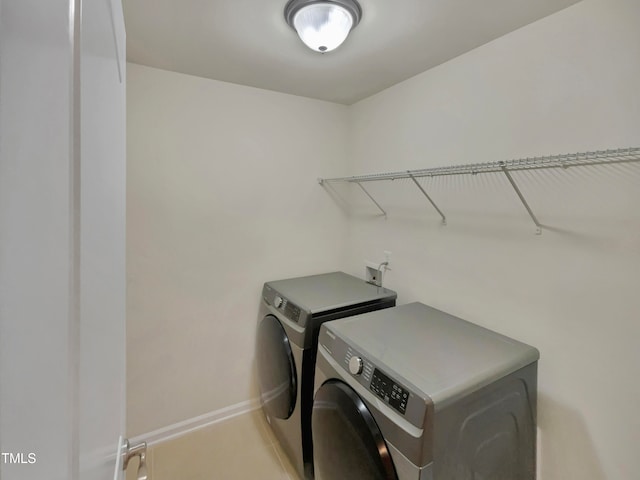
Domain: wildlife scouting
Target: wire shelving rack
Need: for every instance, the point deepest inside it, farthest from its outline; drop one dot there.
(572, 160)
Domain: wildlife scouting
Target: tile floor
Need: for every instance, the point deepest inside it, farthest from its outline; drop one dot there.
(242, 447)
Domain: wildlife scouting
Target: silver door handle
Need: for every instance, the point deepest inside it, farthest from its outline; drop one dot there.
(139, 450)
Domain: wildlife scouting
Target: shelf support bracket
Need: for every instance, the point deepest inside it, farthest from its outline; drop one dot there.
(521, 197)
(444, 219)
(372, 199)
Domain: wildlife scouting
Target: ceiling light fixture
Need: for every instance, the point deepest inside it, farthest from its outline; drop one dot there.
(322, 24)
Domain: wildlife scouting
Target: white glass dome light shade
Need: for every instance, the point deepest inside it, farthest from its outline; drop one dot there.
(323, 26)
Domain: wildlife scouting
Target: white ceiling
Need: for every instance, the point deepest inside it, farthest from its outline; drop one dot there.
(248, 41)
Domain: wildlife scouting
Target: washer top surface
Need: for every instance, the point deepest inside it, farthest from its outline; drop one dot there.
(329, 291)
(441, 355)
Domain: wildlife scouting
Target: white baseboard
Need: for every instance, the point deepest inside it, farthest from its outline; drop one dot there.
(187, 426)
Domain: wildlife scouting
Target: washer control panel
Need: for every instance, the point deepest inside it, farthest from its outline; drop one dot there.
(382, 383)
(390, 391)
(358, 366)
(387, 389)
(355, 365)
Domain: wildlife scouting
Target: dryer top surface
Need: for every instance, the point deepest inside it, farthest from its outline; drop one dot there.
(329, 291)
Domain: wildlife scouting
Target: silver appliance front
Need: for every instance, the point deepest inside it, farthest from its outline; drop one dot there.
(463, 409)
(370, 448)
(279, 363)
(291, 312)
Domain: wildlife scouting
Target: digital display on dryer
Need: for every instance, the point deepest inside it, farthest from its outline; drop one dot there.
(389, 391)
(292, 312)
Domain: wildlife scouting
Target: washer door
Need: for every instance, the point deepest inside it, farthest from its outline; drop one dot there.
(347, 442)
(276, 369)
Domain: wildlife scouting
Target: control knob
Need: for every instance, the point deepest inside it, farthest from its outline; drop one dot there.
(277, 301)
(355, 365)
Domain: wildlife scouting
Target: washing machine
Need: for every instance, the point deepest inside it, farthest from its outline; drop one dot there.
(291, 312)
(412, 393)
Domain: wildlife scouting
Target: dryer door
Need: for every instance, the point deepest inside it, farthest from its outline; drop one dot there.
(276, 369)
(347, 442)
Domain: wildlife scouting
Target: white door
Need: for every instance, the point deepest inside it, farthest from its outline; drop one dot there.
(102, 237)
(62, 238)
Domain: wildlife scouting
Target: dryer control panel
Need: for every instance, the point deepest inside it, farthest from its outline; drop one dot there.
(374, 377)
(287, 308)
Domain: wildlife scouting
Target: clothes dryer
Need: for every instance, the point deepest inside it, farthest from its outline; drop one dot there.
(412, 393)
(291, 312)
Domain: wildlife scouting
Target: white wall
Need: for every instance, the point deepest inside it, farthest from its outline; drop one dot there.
(222, 196)
(566, 83)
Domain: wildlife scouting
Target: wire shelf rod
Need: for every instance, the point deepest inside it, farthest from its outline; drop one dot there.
(424, 192)
(373, 199)
(505, 170)
(602, 157)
